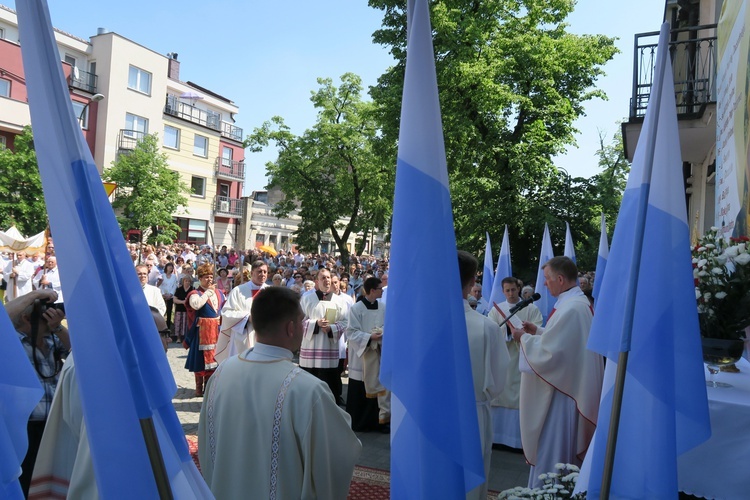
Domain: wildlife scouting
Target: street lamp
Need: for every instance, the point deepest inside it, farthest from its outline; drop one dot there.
(94, 98)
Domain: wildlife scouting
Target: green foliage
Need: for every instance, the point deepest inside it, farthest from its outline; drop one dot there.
(512, 81)
(148, 191)
(331, 171)
(21, 197)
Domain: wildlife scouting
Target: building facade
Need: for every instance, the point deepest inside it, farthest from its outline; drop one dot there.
(693, 50)
(122, 91)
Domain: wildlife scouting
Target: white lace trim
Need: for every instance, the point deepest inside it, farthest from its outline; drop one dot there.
(276, 433)
(210, 412)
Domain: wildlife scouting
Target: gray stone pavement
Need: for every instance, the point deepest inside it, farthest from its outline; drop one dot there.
(508, 468)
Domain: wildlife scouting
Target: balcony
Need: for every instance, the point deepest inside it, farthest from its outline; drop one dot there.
(82, 80)
(175, 107)
(693, 54)
(228, 207)
(128, 139)
(230, 170)
(693, 63)
(231, 131)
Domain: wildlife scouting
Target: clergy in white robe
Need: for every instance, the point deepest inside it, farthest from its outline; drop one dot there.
(236, 333)
(269, 429)
(560, 379)
(489, 364)
(18, 273)
(365, 333)
(325, 321)
(506, 422)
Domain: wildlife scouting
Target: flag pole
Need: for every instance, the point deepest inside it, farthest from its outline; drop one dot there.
(640, 229)
(157, 460)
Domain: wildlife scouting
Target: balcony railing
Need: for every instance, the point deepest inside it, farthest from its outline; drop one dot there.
(231, 131)
(228, 207)
(693, 54)
(229, 169)
(83, 80)
(128, 139)
(176, 107)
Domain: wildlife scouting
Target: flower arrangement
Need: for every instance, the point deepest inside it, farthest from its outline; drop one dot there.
(721, 270)
(557, 485)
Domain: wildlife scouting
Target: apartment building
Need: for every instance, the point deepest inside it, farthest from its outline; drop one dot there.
(121, 91)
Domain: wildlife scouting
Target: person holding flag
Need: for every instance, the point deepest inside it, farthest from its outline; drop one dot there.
(561, 380)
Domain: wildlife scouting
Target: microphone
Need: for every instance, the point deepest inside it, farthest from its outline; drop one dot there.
(524, 303)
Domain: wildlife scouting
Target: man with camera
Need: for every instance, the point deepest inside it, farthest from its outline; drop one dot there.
(47, 343)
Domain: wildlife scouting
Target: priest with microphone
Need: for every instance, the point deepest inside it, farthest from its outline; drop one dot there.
(561, 380)
(506, 426)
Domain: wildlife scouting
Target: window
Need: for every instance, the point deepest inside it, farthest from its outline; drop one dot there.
(198, 186)
(260, 238)
(192, 230)
(70, 60)
(4, 88)
(78, 111)
(2, 33)
(135, 126)
(200, 146)
(139, 80)
(3, 142)
(224, 190)
(171, 137)
(226, 156)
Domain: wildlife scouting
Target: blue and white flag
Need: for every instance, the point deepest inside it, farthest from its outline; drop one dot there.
(20, 391)
(435, 447)
(123, 374)
(487, 272)
(570, 248)
(547, 302)
(664, 406)
(504, 270)
(601, 260)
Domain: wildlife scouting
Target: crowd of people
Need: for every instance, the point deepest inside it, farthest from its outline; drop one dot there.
(262, 330)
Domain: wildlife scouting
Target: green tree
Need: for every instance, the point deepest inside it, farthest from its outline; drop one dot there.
(148, 191)
(512, 82)
(331, 171)
(21, 197)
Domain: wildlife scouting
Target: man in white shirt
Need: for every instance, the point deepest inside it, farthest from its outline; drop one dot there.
(482, 306)
(489, 364)
(267, 428)
(561, 380)
(50, 278)
(506, 421)
(236, 324)
(152, 293)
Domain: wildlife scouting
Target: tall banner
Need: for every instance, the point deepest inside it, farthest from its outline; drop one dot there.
(733, 120)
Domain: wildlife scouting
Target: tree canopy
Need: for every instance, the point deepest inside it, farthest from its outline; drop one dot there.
(512, 81)
(331, 171)
(21, 196)
(148, 191)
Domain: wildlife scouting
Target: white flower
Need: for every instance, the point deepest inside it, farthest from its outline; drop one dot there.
(720, 295)
(717, 270)
(701, 249)
(710, 246)
(721, 259)
(714, 228)
(707, 295)
(542, 477)
(559, 466)
(702, 273)
(742, 259)
(702, 262)
(741, 247)
(732, 251)
(695, 260)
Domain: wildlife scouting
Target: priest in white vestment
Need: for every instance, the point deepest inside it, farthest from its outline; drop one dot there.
(325, 322)
(561, 380)
(489, 364)
(269, 429)
(506, 422)
(236, 333)
(18, 273)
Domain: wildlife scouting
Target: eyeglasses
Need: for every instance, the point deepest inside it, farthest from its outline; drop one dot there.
(165, 333)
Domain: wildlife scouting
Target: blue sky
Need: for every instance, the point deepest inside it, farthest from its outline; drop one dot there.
(266, 56)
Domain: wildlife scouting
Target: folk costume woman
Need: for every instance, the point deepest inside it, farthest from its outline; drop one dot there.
(203, 306)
